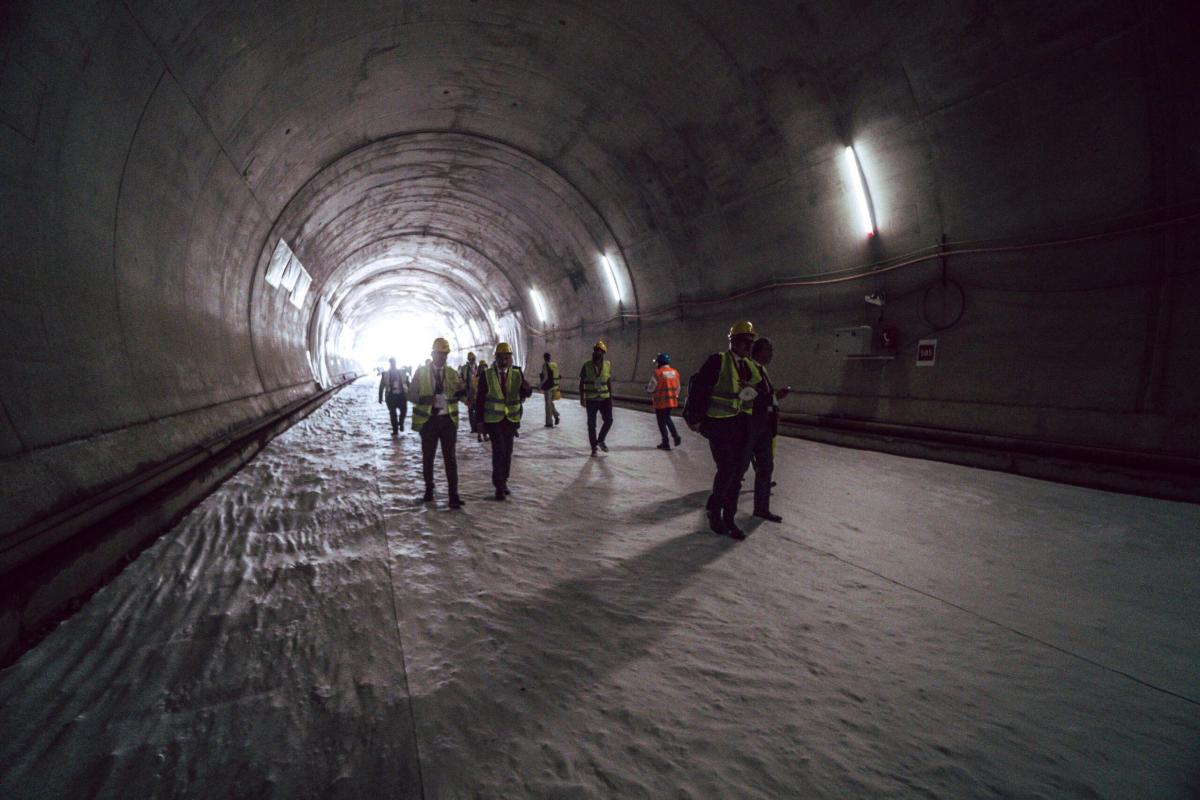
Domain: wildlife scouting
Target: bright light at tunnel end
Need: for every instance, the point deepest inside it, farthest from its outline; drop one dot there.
(611, 272)
(404, 336)
(856, 179)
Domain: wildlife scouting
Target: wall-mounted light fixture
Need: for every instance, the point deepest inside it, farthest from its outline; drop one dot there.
(854, 176)
(538, 304)
(611, 272)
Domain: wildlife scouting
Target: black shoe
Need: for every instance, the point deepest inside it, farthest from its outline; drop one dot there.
(715, 524)
(395, 435)
(500, 494)
(731, 527)
(506, 491)
(456, 501)
(678, 441)
(602, 446)
(664, 446)
(593, 451)
(556, 419)
(767, 515)
(549, 425)
(428, 494)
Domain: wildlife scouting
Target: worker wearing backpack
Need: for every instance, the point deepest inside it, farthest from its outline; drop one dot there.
(720, 404)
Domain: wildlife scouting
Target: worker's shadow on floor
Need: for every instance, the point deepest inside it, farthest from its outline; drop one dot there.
(673, 508)
(538, 653)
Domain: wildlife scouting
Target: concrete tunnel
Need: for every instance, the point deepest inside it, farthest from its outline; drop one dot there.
(970, 229)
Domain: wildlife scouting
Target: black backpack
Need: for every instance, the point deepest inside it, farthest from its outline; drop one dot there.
(691, 414)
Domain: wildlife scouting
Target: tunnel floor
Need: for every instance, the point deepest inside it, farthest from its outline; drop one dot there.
(912, 629)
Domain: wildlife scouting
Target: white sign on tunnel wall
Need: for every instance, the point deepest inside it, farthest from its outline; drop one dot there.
(926, 352)
(285, 271)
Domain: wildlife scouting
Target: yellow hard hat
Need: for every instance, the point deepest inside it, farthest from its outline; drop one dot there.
(743, 328)
(601, 346)
(440, 345)
(503, 349)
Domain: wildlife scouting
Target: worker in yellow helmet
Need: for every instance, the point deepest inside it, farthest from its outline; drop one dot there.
(501, 395)
(438, 389)
(595, 394)
(720, 404)
(468, 374)
(549, 380)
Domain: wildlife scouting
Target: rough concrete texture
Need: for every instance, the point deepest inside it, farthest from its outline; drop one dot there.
(912, 629)
(455, 154)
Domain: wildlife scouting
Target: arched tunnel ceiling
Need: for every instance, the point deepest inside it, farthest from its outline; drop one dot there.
(673, 125)
(460, 221)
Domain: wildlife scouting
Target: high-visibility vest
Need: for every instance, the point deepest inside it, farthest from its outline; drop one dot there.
(500, 405)
(470, 379)
(724, 401)
(595, 386)
(422, 408)
(554, 376)
(666, 388)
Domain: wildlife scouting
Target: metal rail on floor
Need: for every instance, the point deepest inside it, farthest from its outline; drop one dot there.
(59, 561)
(1165, 476)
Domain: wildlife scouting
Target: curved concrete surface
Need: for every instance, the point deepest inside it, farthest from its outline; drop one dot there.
(450, 156)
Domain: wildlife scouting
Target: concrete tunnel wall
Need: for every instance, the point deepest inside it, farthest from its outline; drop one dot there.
(459, 153)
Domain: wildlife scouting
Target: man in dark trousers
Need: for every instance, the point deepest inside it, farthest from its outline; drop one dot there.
(764, 425)
(435, 416)
(502, 391)
(394, 383)
(720, 405)
(595, 394)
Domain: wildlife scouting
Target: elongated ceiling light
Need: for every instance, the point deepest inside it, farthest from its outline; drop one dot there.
(612, 276)
(538, 304)
(859, 182)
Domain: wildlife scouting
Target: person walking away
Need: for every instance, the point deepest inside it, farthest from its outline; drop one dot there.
(394, 384)
(764, 427)
(595, 394)
(663, 387)
(435, 417)
(502, 391)
(548, 382)
(720, 405)
(467, 373)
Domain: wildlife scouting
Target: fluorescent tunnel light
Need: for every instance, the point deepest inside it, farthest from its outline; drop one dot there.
(612, 276)
(859, 182)
(538, 304)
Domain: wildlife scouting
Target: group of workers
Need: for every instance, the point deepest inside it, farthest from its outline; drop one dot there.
(731, 402)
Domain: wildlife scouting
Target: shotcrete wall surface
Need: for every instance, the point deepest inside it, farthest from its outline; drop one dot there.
(1029, 167)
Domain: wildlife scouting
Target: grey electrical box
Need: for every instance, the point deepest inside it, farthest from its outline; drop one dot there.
(856, 341)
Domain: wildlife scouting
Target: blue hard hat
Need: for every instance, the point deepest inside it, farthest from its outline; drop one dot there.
(663, 359)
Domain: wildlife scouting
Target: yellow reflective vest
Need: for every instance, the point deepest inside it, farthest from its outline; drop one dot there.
(593, 385)
(422, 408)
(500, 405)
(724, 401)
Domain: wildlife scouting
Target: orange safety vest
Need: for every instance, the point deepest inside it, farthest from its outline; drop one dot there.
(666, 390)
